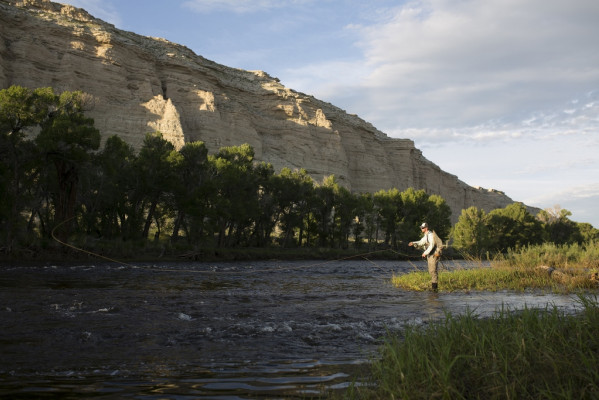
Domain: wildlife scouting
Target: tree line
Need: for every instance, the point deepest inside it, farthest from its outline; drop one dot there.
(58, 181)
(513, 227)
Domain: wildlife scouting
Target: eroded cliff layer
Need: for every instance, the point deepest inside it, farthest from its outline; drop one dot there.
(142, 84)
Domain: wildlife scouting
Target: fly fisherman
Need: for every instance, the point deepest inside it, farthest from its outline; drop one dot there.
(432, 252)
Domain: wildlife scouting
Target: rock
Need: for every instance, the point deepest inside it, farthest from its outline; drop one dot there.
(143, 84)
(554, 273)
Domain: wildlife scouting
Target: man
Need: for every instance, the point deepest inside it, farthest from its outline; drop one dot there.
(431, 253)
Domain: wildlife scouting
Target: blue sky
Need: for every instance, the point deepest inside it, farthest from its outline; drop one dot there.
(502, 93)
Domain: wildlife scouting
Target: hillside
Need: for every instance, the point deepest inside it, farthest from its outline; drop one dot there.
(142, 84)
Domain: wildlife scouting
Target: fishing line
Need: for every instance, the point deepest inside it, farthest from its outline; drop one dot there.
(304, 266)
(83, 250)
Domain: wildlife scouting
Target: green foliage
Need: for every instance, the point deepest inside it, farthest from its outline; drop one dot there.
(572, 258)
(399, 214)
(66, 141)
(388, 203)
(191, 189)
(293, 191)
(514, 226)
(62, 178)
(518, 270)
(21, 110)
(471, 233)
(587, 232)
(155, 166)
(114, 182)
(488, 279)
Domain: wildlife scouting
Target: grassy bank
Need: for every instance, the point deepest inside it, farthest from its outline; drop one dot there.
(539, 354)
(550, 267)
(530, 353)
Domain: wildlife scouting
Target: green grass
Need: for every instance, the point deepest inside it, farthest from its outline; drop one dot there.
(490, 279)
(517, 270)
(532, 354)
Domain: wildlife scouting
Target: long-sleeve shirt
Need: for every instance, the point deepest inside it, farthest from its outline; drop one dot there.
(427, 242)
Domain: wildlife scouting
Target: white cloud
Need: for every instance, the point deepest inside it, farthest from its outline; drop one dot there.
(579, 192)
(450, 63)
(581, 200)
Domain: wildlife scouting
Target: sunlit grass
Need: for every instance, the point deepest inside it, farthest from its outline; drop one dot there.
(531, 353)
(491, 279)
(517, 270)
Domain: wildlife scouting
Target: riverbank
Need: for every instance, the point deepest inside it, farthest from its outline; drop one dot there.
(569, 268)
(148, 251)
(528, 353)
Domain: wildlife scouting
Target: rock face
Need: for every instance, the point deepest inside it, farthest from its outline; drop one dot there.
(142, 84)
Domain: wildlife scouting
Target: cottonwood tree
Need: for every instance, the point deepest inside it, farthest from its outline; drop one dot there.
(558, 226)
(155, 167)
(115, 186)
(192, 189)
(514, 227)
(294, 189)
(21, 110)
(438, 216)
(346, 211)
(324, 202)
(365, 227)
(67, 140)
(235, 201)
(388, 205)
(471, 234)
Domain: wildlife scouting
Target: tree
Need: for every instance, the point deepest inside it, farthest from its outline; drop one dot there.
(414, 211)
(471, 234)
(324, 203)
(294, 191)
(514, 227)
(558, 227)
(588, 232)
(366, 219)
(191, 189)
(156, 170)
(21, 109)
(66, 140)
(439, 216)
(267, 205)
(388, 205)
(345, 213)
(236, 193)
(115, 185)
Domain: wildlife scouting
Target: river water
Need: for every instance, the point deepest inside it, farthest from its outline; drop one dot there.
(271, 330)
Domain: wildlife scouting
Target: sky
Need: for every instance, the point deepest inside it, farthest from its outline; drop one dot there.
(504, 94)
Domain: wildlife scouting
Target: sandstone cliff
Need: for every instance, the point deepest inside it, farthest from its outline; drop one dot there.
(142, 84)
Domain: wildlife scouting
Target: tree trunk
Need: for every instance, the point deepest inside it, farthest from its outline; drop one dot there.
(151, 211)
(177, 226)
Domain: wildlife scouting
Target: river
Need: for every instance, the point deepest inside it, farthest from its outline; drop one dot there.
(227, 330)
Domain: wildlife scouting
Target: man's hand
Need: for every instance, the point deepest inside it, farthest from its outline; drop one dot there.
(423, 255)
(411, 244)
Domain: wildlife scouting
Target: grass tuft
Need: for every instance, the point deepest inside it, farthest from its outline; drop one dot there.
(532, 353)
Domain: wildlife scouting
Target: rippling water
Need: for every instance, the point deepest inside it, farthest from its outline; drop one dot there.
(210, 330)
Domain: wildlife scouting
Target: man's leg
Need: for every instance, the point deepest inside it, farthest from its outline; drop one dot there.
(433, 263)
